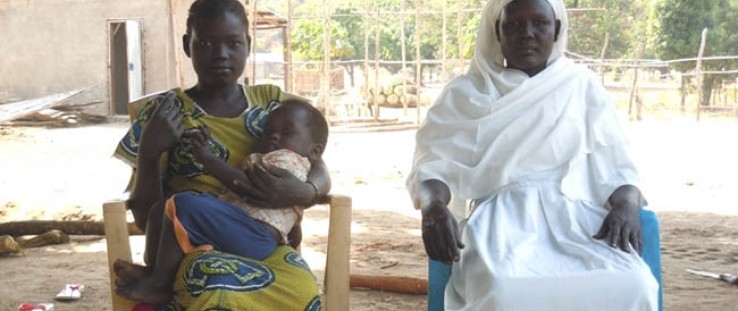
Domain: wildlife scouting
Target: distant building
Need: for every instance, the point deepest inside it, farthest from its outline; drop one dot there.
(123, 49)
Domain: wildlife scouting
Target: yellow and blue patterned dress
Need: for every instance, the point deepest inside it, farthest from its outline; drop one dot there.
(215, 280)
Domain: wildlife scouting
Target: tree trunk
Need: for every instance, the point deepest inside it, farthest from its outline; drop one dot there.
(707, 91)
(78, 227)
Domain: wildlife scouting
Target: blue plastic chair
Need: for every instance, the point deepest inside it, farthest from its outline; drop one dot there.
(439, 273)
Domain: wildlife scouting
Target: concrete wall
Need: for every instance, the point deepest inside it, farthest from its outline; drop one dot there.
(59, 45)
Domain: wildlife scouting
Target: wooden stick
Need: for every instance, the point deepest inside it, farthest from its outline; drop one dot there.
(418, 65)
(376, 64)
(634, 87)
(601, 68)
(404, 55)
(698, 73)
(396, 284)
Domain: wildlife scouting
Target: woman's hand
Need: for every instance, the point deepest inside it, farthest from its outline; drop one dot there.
(440, 233)
(622, 226)
(269, 186)
(163, 129)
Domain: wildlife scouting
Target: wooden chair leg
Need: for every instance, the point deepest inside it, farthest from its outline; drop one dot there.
(119, 247)
(337, 262)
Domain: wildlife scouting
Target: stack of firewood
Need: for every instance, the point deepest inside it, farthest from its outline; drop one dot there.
(393, 93)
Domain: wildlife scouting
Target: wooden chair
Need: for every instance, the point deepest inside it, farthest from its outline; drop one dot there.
(336, 281)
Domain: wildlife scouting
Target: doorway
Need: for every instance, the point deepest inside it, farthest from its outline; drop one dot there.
(125, 64)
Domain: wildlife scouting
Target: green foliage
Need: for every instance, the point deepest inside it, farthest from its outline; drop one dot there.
(348, 32)
(723, 38)
(625, 22)
(680, 35)
(670, 29)
(307, 38)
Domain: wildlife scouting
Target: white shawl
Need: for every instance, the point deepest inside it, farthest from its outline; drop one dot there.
(493, 126)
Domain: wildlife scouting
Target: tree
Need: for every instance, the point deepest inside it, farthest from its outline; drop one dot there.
(307, 34)
(348, 27)
(680, 33)
(620, 19)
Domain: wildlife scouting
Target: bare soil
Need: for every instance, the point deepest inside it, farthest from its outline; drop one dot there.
(687, 170)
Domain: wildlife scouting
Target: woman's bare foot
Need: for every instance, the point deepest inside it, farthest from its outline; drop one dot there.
(128, 272)
(146, 290)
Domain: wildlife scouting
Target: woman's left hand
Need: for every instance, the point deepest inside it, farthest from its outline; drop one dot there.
(622, 225)
(273, 187)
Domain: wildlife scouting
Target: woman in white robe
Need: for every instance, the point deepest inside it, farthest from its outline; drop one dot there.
(533, 142)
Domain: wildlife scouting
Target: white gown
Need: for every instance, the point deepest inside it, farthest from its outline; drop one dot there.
(528, 247)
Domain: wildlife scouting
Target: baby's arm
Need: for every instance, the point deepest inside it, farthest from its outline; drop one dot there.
(218, 168)
(273, 179)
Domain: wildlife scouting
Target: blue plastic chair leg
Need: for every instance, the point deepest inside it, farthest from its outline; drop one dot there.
(439, 273)
(651, 251)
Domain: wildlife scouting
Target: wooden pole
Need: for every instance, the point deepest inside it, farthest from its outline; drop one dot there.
(289, 82)
(177, 54)
(403, 98)
(252, 76)
(325, 100)
(698, 73)
(444, 39)
(683, 91)
(601, 69)
(459, 33)
(418, 65)
(376, 67)
(735, 97)
(634, 87)
(724, 91)
(367, 94)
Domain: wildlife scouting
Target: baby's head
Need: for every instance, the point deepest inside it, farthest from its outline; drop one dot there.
(295, 125)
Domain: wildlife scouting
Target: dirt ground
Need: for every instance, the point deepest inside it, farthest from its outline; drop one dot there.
(687, 170)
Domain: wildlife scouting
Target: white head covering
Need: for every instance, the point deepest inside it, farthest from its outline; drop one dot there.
(495, 126)
(488, 61)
